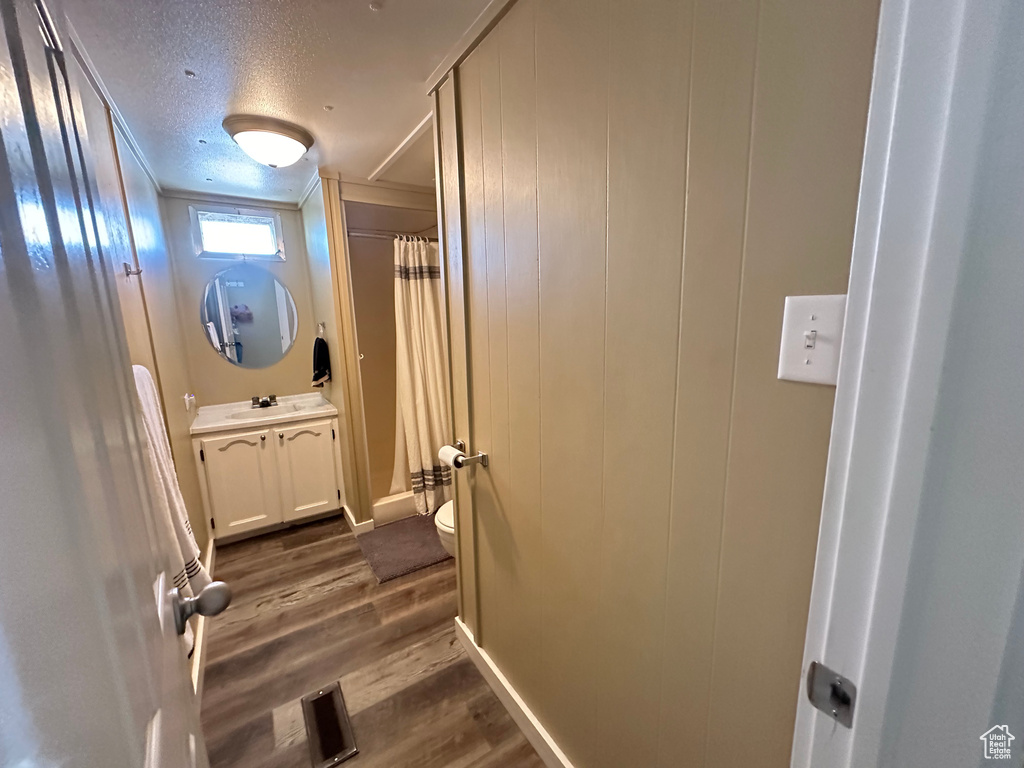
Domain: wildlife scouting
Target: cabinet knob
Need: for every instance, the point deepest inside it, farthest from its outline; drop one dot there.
(281, 435)
(263, 438)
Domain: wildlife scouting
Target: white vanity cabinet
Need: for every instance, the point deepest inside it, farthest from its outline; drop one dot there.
(305, 468)
(241, 479)
(260, 467)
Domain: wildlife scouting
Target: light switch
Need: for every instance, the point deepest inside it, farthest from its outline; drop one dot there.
(812, 335)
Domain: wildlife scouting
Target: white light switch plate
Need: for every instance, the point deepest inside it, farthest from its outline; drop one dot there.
(812, 335)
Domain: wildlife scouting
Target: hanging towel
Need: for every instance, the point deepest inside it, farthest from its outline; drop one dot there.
(169, 512)
(321, 362)
(211, 331)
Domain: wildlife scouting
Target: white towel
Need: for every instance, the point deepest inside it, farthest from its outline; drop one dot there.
(171, 521)
(211, 331)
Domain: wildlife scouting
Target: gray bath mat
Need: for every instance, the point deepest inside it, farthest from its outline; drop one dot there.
(402, 547)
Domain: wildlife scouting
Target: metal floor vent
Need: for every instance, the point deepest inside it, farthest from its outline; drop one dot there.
(328, 727)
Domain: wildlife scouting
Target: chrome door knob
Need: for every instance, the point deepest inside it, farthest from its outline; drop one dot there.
(213, 599)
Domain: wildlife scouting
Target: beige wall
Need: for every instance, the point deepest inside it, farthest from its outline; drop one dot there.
(114, 233)
(132, 224)
(319, 225)
(641, 192)
(214, 379)
(373, 288)
(172, 362)
(314, 227)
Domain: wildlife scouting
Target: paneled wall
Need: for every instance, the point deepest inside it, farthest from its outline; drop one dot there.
(641, 188)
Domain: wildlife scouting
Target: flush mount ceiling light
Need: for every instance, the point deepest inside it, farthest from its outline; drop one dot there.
(268, 141)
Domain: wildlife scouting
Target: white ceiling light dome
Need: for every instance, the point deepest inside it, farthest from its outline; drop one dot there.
(267, 140)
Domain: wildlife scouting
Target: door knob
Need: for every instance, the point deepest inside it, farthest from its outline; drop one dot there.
(211, 600)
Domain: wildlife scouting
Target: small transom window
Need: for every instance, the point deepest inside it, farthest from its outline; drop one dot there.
(236, 233)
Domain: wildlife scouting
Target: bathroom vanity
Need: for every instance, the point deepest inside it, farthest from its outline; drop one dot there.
(261, 467)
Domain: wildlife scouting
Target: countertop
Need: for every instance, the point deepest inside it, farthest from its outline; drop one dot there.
(241, 415)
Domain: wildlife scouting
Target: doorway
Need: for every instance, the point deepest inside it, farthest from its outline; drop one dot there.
(371, 230)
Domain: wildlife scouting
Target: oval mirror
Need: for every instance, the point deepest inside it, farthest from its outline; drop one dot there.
(249, 316)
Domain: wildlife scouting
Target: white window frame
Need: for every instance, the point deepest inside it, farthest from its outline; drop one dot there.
(197, 235)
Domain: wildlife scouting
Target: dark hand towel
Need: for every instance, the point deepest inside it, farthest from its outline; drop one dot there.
(321, 362)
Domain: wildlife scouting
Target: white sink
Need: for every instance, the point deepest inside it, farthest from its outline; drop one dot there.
(239, 415)
(251, 414)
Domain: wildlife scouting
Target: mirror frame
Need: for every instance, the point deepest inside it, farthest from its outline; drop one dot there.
(291, 304)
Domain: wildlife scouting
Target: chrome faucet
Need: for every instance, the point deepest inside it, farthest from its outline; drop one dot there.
(264, 402)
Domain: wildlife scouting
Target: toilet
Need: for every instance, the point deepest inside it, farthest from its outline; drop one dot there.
(445, 522)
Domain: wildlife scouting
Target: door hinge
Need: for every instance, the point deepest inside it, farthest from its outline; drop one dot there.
(332, 434)
(213, 524)
(202, 455)
(832, 693)
(339, 494)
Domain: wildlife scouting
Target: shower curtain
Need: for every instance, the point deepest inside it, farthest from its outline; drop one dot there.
(422, 415)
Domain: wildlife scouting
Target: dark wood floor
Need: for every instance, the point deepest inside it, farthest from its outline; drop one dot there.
(307, 611)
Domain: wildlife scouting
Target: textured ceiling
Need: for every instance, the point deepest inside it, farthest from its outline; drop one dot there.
(283, 58)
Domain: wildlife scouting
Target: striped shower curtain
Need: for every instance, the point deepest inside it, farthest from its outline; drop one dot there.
(422, 412)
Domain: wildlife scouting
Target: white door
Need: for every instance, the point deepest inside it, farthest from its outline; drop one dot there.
(918, 594)
(228, 339)
(91, 670)
(284, 326)
(242, 477)
(305, 460)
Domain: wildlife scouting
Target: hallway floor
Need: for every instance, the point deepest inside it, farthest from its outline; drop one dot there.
(307, 611)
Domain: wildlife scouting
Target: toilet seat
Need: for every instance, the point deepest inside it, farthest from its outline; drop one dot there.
(445, 519)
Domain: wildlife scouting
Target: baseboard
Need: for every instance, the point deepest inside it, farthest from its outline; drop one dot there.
(528, 723)
(357, 528)
(236, 537)
(391, 509)
(198, 657)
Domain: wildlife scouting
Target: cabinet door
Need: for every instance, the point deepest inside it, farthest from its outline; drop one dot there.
(305, 461)
(242, 480)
